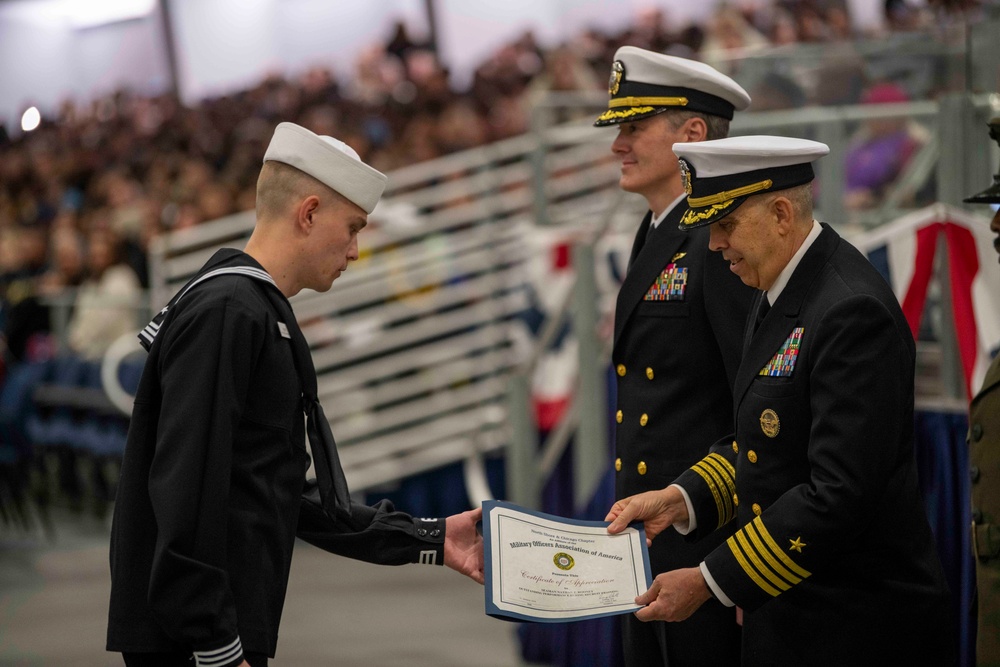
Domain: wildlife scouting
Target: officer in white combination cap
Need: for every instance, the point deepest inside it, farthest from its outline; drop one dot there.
(678, 322)
(833, 561)
(213, 488)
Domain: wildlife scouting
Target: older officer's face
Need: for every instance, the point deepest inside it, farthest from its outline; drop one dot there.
(750, 240)
(647, 161)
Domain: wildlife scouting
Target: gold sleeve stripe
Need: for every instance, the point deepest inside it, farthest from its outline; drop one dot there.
(708, 476)
(748, 568)
(721, 470)
(718, 198)
(727, 466)
(768, 557)
(751, 554)
(777, 551)
(723, 499)
(647, 101)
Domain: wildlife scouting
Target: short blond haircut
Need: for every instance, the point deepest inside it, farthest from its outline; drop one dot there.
(280, 186)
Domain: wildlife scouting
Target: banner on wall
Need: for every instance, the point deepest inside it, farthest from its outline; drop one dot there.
(905, 250)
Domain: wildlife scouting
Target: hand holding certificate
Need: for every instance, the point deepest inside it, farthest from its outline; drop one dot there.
(546, 568)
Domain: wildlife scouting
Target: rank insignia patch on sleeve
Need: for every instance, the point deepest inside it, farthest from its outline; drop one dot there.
(783, 363)
(669, 285)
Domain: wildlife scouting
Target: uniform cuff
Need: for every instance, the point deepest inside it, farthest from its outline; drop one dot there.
(714, 587)
(692, 522)
(430, 536)
(229, 655)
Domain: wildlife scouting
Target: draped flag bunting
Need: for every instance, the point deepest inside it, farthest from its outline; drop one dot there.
(906, 250)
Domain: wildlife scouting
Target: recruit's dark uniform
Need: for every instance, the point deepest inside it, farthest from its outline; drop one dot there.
(833, 562)
(678, 327)
(210, 497)
(984, 442)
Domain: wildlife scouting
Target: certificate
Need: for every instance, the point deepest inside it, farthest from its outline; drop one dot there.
(549, 569)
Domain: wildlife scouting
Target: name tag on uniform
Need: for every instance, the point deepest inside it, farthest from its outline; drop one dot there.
(283, 330)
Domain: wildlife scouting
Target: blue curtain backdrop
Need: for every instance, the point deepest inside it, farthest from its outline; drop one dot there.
(943, 465)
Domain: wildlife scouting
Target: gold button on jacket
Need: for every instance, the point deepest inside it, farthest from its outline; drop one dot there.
(641, 467)
(621, 370)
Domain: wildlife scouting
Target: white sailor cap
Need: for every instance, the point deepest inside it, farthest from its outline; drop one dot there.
(644, 83)
(330, 161)
(719, 175)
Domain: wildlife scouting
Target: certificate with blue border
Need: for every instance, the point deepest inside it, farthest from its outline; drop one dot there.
(549, 569)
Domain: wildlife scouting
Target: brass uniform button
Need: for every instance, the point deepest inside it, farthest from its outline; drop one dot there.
(643, 419)
(736, 501)
(641, 467)
(618, 416)
(621, 370)
(649, 373)
(618, 465)
(752, 455)
(736, 448)
(756, 509)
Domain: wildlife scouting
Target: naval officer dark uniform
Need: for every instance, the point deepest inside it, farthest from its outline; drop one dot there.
(833, 561)
(679, 321)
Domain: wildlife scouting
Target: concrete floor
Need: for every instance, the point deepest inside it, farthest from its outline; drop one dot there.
(53, 609)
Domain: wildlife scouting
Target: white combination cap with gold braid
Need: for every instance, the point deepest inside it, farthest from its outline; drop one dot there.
(644, 83)
(330, 161)
(719, 175)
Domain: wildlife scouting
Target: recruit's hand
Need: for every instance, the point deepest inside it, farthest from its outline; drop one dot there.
(674, 596)
(658, 510)
(463, 546)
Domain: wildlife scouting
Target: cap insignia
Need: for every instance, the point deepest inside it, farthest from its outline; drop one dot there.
(617, 74)
(685, 175)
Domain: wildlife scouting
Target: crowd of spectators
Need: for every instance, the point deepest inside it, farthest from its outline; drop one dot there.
(82, 195)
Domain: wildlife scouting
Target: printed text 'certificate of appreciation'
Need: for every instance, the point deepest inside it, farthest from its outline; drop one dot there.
(548, 569)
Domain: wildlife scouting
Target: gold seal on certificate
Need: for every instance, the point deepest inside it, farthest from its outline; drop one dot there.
(545, 568)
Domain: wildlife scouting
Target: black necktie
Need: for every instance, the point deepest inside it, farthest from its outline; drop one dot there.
(329, 473)
(762, 309)
(330, 476)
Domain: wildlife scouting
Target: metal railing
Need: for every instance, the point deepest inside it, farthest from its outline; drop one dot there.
(422, 354)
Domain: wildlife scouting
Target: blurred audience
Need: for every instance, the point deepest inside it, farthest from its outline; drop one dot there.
(881, 149)
(107, 300)
(129, 167)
